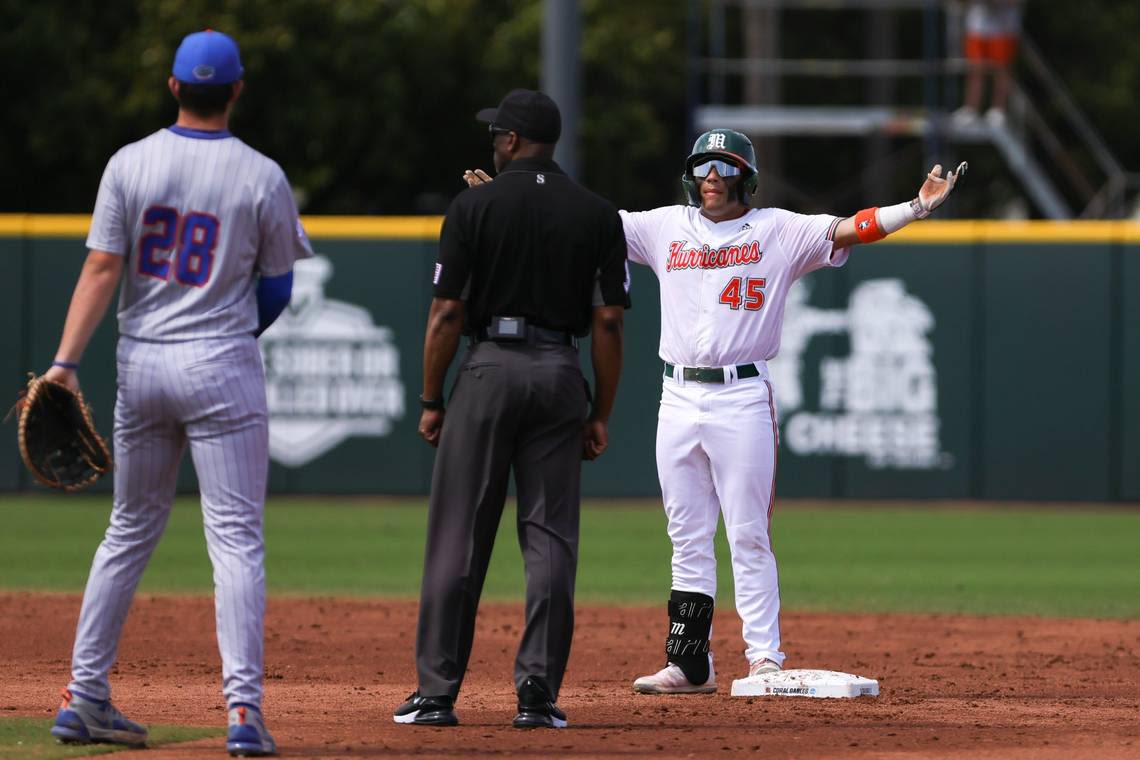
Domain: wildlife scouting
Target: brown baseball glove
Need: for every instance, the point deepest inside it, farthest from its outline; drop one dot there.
(58, 439)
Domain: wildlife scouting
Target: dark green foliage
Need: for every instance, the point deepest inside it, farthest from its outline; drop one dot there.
(368, 104)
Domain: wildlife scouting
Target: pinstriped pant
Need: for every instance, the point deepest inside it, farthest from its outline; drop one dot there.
(209, 394)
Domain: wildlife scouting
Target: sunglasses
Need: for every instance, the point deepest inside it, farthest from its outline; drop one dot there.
(497, 130)
(723, 168)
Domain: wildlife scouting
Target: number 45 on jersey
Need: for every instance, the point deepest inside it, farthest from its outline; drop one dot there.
(744, 291)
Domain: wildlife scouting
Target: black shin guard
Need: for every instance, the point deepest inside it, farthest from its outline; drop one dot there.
(690, 622)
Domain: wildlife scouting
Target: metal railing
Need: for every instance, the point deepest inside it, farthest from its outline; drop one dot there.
(1110, 198)
(1040, 109)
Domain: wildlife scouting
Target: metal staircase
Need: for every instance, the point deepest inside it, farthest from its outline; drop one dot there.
(1060, 186)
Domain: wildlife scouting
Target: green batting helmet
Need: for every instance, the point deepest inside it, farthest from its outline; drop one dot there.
(727, 144)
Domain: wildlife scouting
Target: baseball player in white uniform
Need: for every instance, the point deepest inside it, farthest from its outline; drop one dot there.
(725, 270)
(203, 232)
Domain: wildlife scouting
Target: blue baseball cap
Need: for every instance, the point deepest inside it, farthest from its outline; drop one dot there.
(207, 57)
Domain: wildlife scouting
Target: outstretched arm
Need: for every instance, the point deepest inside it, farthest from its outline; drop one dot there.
(873, 224)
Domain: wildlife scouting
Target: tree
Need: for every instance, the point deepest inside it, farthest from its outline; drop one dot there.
(369, 104)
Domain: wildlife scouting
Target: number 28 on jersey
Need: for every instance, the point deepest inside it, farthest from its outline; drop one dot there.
(182, 242)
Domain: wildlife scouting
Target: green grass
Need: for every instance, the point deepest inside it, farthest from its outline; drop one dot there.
(28, 739)
(1081, 561)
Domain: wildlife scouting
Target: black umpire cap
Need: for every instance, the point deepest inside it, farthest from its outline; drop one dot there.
(528, 114)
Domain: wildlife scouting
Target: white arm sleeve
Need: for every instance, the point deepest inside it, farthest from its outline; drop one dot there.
(894, 218)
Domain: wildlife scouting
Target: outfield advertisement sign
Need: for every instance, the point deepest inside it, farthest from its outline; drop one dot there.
(878, 402)
(331, 373)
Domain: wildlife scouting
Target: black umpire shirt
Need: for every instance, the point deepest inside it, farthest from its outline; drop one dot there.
(532, 244)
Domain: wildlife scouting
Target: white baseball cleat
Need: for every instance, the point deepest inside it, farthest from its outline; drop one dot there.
(671, 680)
(762, 666)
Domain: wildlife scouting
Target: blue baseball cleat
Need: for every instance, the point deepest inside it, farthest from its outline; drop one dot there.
(82, 720)
(248, 736)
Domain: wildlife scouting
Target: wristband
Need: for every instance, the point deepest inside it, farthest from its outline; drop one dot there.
(894, 218)
(867, 226)
(65, 365)
(432, 404)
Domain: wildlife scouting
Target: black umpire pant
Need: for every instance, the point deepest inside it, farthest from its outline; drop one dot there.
(517, 406)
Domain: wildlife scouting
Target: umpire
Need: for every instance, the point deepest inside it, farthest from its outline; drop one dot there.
(527, 265)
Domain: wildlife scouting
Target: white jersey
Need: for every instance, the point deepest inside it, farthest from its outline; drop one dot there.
(993, 19)
(724, 284)
(198, 215)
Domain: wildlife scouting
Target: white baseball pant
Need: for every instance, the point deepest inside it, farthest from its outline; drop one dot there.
(716, 454)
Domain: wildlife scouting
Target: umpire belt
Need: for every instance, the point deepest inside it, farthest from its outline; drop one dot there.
(728, 374)
(534, 336)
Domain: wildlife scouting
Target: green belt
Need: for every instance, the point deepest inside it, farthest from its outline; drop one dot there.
(712, 374)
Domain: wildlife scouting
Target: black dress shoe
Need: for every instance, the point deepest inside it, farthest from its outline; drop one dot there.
(536, 706)
(426, 711)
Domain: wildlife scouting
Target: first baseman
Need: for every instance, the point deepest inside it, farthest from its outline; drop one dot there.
(725, 270)
(203, 232)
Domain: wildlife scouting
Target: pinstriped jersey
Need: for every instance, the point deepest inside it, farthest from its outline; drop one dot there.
(198, 215)
(724, 284)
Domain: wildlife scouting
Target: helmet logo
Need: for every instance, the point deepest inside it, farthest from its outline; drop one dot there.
(716, 141)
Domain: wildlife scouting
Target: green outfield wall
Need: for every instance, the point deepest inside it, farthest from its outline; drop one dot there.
(955, 360)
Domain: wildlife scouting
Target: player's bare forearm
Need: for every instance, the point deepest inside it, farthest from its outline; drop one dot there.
(845, 236)
(93, 292)
(605, 352)
(441, 340)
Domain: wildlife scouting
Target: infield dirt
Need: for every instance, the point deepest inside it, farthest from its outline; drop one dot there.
(952, 687)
